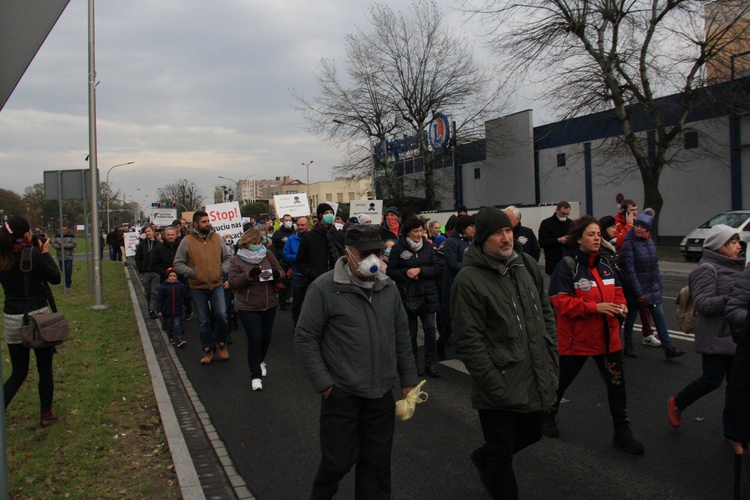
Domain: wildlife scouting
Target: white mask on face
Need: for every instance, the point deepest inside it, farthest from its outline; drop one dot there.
(368, 266)
(562, 219)
(288, 224)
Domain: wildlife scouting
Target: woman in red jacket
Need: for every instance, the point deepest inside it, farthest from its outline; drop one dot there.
(588, 298)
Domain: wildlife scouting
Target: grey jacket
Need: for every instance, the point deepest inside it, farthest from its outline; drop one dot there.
(357, 343)
(710, 284)
(64, 246)
(739, 301)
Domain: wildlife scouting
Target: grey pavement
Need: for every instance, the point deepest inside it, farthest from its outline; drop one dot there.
(244, 444)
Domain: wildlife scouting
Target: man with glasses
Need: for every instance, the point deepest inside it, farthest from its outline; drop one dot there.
(552, 235)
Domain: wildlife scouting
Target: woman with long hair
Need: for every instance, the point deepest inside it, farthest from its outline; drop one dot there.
(588, 298)
(15, 242)
(253, 271)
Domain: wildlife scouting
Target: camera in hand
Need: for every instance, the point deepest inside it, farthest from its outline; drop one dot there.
(38, 239)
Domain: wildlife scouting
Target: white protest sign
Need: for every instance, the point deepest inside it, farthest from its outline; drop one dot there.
(292, 204)
(131, 242)
(226, 220)
(373, 208)
(334, 206)
(162, 216)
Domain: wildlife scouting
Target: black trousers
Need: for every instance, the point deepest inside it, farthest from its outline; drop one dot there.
(19, 360)
(506, 433)
(355, 430)
(610, 368)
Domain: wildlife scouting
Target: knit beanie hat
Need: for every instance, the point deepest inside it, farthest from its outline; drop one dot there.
(392, 210)
(719, 236)
(487, 221)
(606, 222)
(322, 208)
(363, 218)
(644, 220)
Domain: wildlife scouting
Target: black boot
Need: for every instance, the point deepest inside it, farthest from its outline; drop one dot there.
(624, 439)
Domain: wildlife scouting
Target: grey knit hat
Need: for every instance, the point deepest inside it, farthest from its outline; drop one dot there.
(487, 221)
(719, 236)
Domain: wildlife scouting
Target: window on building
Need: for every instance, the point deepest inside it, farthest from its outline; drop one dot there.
(329, 196)
(561, 159)
(691, 140)
(477, 173)
(351, 195)
(340, 197)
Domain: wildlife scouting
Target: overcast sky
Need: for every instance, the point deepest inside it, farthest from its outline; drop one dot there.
(187, 88)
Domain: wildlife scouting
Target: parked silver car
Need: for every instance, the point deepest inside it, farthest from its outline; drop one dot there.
(691, 245)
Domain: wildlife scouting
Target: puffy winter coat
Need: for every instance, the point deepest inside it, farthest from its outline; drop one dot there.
(737, 403)
(402, 259)
(171, 298)
(453, 251)
(581, 330)
(504, 332)
(639, 259)
(738, 301)
(710, 284)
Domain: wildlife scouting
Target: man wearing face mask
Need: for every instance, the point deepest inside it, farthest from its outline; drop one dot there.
(320, 247)
(278, 240)
(390, 228)
(553, 233)
(353, 341)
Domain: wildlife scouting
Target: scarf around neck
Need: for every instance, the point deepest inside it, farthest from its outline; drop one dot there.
(415, 246)
(251, 257)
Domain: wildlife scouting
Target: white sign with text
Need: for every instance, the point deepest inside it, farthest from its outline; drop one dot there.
(292, 204)
(226, 220)
(373, 208)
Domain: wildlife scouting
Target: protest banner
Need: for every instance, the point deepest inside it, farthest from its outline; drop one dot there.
(292, 204)
(161, 216)
(226, 220)
(131, 242)
(373, 208)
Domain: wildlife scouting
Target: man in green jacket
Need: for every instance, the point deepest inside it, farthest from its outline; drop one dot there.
(504, 332)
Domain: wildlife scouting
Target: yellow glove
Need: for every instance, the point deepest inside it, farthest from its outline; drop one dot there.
(405, 407)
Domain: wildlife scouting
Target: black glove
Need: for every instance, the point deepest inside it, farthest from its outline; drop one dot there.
(254, 272)
(276, 274)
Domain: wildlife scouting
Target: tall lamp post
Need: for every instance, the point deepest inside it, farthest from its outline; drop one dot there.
(235, 185)
(309, 198)
(109, 188)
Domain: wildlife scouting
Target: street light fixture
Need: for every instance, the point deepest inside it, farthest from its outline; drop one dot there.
(309, 198)
(109, 188)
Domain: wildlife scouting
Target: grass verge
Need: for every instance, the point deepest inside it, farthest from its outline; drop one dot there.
(111, 442)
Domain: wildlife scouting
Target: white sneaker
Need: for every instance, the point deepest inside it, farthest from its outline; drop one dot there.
(651, 340)
(263, 369)
(257, 384)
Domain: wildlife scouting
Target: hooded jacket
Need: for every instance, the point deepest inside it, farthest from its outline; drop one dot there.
(504, 332)
(203, 260)
(710, 284)
(357, 341)
(453, 250)
(170, 298)
(581, 331)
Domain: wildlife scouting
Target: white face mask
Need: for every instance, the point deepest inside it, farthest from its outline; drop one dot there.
(562, 219)
(288, 224)
(368, 266)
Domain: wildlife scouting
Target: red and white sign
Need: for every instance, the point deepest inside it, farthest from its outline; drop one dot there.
(226, 220)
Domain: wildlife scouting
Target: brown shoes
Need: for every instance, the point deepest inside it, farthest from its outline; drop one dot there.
(48, 418)
(222, 350)
(208, 356)
(673, 352)
(630, 352)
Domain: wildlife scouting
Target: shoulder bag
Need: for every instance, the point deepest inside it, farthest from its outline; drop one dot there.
(43, 329)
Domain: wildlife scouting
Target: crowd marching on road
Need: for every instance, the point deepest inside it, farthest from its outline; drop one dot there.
(359, 290)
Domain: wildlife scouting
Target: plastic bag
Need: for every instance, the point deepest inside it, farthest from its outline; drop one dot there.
(405, 407)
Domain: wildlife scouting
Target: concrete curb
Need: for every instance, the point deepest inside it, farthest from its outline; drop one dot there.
(187, 476)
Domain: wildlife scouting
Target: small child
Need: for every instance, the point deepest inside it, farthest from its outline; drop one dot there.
(170, 300)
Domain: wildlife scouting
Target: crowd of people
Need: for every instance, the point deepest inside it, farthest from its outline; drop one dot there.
(359, 290)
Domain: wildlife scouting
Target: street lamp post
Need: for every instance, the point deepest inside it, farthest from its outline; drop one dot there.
(109, 188)
(236, 185)
(309, 198)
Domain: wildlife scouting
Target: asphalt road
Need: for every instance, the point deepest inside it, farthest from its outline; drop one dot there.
(272, 436)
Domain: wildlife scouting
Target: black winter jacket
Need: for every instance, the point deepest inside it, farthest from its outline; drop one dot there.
(402, 259)
(43, 268)
(549, 230)
(143, 260)
(162, 257)
(319, 249)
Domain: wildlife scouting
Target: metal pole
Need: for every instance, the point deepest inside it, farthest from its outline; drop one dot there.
(94, 175)
(109, 188)
(4, 488)
(61, 252)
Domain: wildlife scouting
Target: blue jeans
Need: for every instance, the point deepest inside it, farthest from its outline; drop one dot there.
(299, 289)
(428, 325)
(660, 324)
(258, 326)
(201, 299)
(716, 367)
(68, 272)
(173, 326)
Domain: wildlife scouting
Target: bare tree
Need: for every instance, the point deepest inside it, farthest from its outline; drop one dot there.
(184, 192)
(399, 74)
(622, 55)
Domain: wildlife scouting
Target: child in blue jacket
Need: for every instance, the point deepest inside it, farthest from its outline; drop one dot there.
(170, 300)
